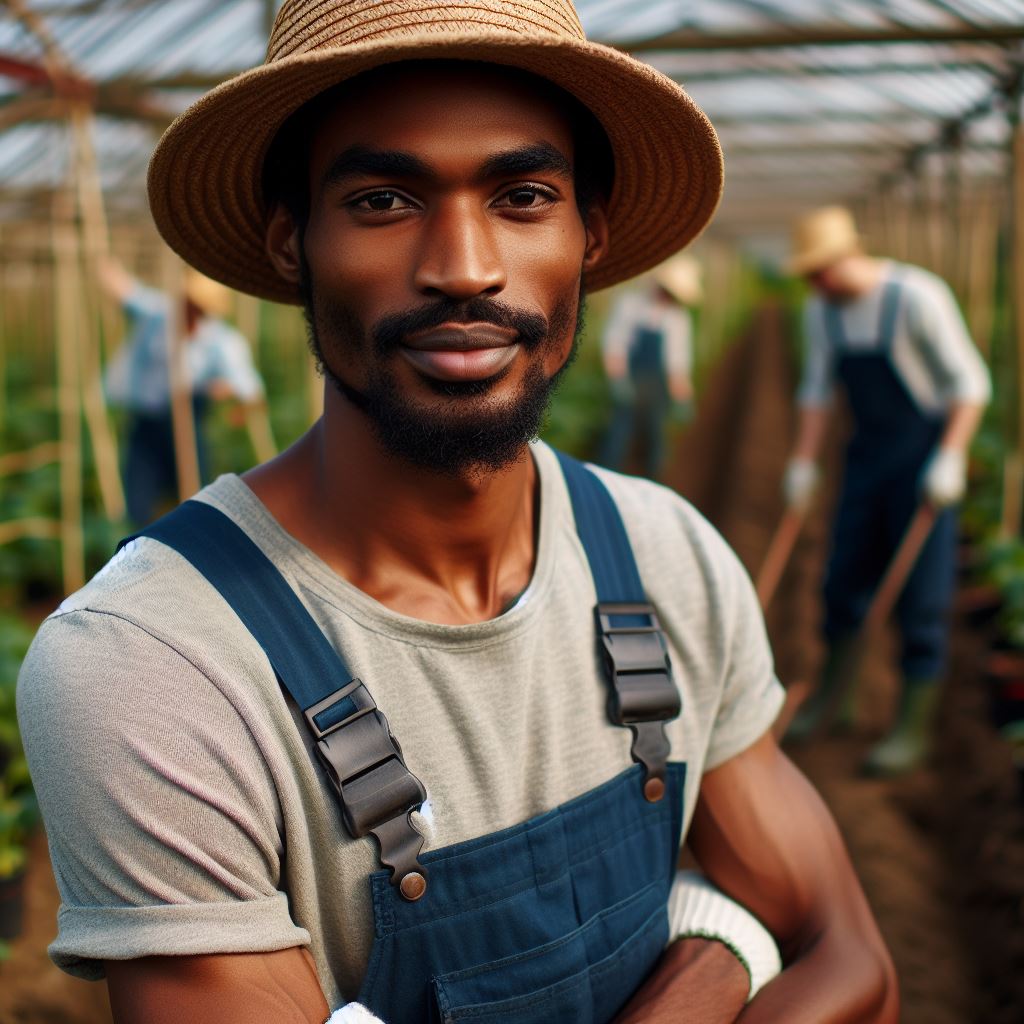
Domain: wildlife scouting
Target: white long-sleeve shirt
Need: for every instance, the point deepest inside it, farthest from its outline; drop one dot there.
(640, 309)
(932, 351)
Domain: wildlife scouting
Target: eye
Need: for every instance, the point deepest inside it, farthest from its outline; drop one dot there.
(382, 201)
(527, 197)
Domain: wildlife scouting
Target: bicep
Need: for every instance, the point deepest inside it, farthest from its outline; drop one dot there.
(241, 988)
(764, 836)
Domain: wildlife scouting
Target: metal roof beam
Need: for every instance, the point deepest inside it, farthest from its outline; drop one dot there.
(826, 36)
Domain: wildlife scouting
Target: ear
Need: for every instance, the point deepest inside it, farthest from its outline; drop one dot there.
(596, 225)
(282, 244)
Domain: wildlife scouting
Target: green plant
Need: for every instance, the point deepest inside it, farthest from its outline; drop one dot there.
(18, 809)
(1003, 568)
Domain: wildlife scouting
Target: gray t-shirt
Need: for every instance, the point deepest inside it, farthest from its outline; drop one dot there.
(184, 811)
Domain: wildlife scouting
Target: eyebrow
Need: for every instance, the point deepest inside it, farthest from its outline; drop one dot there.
(538, 158)
(361, 161)
(375, 163)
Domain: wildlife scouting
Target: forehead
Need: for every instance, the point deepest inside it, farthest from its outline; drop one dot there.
(441, 107)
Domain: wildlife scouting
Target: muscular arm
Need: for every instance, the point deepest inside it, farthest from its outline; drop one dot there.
(764, 836)
(242, 988)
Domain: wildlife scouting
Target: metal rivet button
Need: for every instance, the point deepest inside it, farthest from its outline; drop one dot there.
(654, 790)
(413, 886)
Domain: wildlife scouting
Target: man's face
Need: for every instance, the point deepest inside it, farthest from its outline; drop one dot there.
(834, 281)
(443, 259)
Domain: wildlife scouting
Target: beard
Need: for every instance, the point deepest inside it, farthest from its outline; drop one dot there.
(464, 431)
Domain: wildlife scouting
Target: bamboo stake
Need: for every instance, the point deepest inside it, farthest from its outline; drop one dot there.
(96, 245)
(34, 526)
(261, 436)
(982, 224)
(186, 455)
(68, 320)
(31, 458)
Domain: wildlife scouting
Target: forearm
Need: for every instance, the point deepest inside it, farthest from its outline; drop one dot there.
(833, 982)
(963, 423)
(811, 430)
(697, 981)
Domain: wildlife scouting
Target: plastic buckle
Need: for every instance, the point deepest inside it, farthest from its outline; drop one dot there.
(643, 695)
(375, 788)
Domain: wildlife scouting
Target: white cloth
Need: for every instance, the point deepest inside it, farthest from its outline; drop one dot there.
(637, 309)
(353, 1013)
(800, 482)
(697, 909)
(945, 477)
(932, 352)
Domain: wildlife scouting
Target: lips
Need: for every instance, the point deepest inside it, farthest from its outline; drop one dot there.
(461, 352)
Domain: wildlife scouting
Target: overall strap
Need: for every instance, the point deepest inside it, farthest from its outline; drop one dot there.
(353, 741)
(887, 318)
(642, 694)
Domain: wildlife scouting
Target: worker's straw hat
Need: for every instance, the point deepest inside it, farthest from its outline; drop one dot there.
(209, 295)
(822, 238)
(680, 277)
(204, 179)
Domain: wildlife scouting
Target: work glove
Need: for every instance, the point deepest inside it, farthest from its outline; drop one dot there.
(945, 477)
(800, 482)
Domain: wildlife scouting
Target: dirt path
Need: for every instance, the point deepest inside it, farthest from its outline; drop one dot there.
(941, 853)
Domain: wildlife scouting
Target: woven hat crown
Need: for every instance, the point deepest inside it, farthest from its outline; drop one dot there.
(303, 26)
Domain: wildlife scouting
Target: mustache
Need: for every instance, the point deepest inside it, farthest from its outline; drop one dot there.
(390, 331)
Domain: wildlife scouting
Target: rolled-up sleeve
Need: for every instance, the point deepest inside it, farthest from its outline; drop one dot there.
(937, 328)
(818, 381)
(164, 838)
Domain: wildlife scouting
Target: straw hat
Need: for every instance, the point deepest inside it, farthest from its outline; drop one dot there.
(209, 295)
(680, 277)
(204, 178)
(822, 238)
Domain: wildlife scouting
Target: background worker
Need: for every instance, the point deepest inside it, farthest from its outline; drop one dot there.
(892, 337)
(477, 820)
(217, 362)
(647, 352)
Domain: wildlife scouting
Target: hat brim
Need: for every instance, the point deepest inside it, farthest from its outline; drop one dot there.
(820, 257)
(204, 177)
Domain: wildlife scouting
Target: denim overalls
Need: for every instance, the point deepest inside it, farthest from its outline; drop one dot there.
(891, 444)
(557, 919)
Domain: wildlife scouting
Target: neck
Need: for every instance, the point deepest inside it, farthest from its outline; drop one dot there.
(863, 275)
(450, 549)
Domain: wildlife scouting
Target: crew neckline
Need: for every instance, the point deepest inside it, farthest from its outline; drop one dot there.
(308, 572)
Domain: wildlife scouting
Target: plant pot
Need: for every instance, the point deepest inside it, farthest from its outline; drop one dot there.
(1004, 677)
(12, 905)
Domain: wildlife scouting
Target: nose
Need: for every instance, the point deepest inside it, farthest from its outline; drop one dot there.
(460, 258)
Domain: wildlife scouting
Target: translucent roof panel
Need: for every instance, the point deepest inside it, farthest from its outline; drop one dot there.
(814, 100)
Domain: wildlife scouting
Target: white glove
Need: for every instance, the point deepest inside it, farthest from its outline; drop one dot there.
(800, 482)
(945, 477)
(696, 909)
(353, 1013)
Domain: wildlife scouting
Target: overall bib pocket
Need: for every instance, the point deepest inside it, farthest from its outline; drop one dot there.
(585, 977)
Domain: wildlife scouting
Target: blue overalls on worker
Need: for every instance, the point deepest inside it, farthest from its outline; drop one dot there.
(892, 441)
(558, 918)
